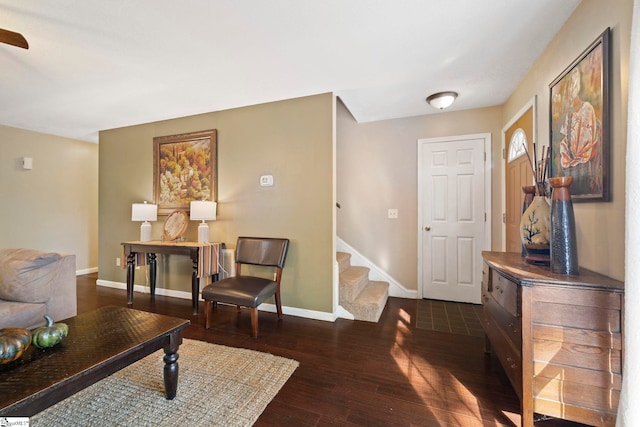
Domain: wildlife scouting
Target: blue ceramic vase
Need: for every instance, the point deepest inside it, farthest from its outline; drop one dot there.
(562, 236)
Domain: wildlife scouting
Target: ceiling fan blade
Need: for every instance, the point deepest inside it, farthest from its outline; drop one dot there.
(15, 39)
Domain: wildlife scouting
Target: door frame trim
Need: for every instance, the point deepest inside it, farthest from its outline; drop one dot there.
(488, 149)
(533, 104)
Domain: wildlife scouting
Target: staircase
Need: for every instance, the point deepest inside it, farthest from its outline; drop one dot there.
(361, 297)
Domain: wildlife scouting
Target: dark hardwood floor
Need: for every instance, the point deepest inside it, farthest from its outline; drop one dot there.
(355, 373)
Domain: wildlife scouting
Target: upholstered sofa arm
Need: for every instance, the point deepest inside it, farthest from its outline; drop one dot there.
(34, 283)
(63, 303)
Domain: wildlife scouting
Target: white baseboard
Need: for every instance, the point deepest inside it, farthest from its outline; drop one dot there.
(291, 311)
(342, 313)
(376, 273)
(145, 289)
(87, 271)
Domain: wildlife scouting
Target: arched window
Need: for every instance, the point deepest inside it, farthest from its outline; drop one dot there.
(517, 145)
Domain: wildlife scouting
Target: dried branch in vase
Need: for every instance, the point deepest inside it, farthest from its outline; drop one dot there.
(540, 170)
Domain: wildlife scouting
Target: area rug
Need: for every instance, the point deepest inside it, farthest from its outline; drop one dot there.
(217, 386)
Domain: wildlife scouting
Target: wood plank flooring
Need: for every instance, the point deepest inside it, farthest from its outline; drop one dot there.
(355, 373)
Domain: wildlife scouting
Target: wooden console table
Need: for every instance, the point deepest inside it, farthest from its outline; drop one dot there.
(559, 338)
(205, 257)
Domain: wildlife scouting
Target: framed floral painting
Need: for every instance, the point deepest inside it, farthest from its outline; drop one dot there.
(579, 123)
(184, 169)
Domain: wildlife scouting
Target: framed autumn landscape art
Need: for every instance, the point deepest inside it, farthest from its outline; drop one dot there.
(184, 169)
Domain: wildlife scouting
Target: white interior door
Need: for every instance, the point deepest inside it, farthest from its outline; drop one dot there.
(453, 217)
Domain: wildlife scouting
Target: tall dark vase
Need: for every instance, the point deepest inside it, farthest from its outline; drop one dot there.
(564, 249)
(529, 191)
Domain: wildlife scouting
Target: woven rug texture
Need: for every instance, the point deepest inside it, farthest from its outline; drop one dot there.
(217, 386)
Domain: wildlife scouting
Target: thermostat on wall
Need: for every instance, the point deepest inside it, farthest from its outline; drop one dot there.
(266, 180)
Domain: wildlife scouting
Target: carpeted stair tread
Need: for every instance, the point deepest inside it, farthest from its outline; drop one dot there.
(352, 282)
(370, 303)
(363, 298)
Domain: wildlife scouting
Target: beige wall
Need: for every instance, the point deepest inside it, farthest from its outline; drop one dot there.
(292, 140)
(376, 162)
(600, 226)
(54, 206)
(377, 170)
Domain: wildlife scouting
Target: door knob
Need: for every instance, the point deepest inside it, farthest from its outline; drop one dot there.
(427, 228)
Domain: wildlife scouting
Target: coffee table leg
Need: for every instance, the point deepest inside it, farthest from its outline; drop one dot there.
(171, 367)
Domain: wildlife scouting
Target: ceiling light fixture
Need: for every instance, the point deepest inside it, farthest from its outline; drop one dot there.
(442, 100)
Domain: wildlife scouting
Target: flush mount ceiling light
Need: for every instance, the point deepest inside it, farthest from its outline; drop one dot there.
(442, 100)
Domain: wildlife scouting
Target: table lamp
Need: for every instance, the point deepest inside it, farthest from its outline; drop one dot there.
(144, 212)
(205, 211)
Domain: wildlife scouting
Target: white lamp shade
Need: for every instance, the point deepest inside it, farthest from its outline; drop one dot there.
(203, 210)
(144, 212)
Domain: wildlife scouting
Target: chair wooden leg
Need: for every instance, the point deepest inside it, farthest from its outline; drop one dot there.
(278, 305)
(208, 308)
(254, 321)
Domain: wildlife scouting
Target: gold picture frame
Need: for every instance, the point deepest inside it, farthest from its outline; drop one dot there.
(184, 169)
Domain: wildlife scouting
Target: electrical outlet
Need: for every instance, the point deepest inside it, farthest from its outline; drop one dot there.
(117, 262)
(392, 214)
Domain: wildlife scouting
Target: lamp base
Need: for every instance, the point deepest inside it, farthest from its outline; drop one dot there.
(145, 231)
(203, 232)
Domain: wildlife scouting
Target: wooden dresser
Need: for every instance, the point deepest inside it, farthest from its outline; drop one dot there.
(558, 338)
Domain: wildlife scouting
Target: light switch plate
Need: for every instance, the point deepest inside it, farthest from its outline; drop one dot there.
(27, 163)
(266, 180)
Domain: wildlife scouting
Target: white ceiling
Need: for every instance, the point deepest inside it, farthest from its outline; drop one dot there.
(95, 65)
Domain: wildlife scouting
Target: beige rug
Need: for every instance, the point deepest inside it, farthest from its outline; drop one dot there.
(218, 386)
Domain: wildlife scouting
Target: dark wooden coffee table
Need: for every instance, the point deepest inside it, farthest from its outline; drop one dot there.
(99, 343)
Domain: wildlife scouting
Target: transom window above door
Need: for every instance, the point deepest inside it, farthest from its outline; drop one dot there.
(517, 144)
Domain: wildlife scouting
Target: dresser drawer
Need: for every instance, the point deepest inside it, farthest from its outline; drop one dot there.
(505, 292)
(510, 325)
(510, 357)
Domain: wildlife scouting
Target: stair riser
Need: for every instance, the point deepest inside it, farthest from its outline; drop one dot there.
(344, 261)
(370, 311)
(352, 282)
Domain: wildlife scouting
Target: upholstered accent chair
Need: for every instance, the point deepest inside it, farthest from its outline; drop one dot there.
(250, 290)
